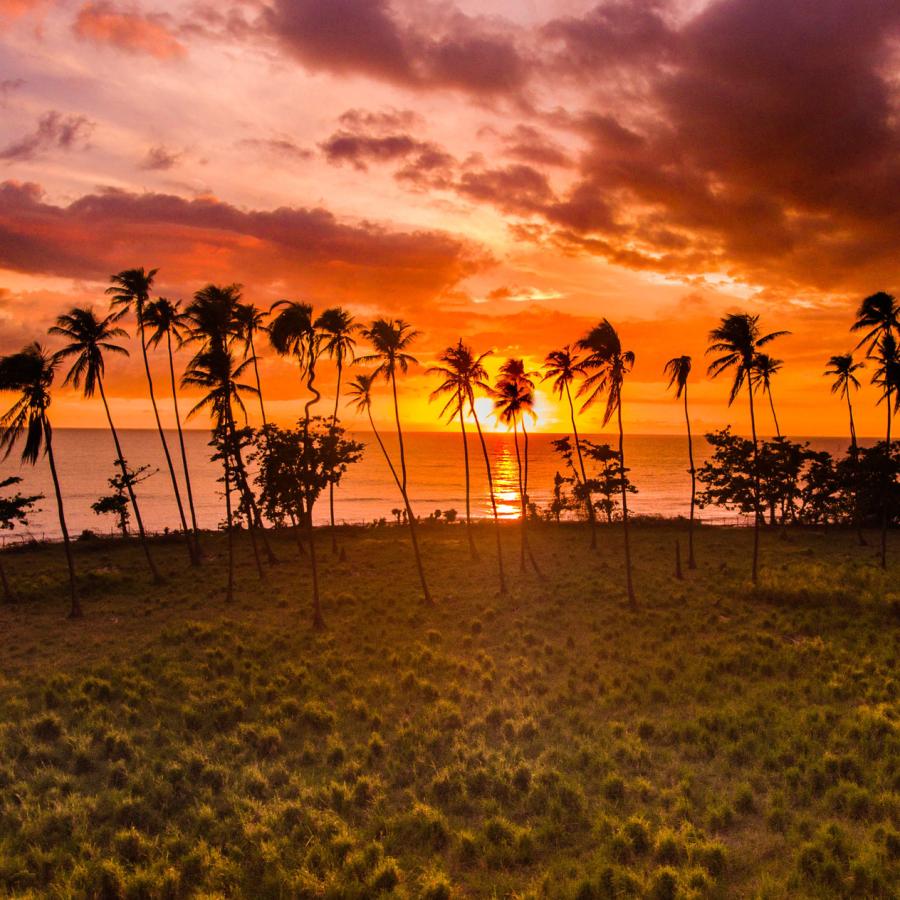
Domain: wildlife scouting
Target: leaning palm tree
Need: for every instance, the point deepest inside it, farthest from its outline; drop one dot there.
(215, 372)
(360, 390)
(130, 290)
(843, 369)
(678, 369)
(563, 366)
(337, 327)
(30, 374)
(513, 400)
(878, 317)
(514, 369)
(250, 321)
(765, 367)
(164, 319)
(606, 366)
(89, 337)
(737, 338)
(886, 378)
(457, 361)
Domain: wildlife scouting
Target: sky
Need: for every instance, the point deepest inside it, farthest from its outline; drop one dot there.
(506, 171)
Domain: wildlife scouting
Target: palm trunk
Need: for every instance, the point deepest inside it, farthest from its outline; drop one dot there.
(884, 492)
(399, 430)
(756, 510)
(262, 408)
(473, 552)
(528, 549)
(692, 564)
(229, 595)
(8, 596)
(192, 552)
(587, 494)
(772, 407)
(123, 467)
(318, 621)
(184, 462)
(75, 611)
(628, 580)
(854, 454)
(521, 495)
(490, 478)
(409, 513)
(334, 415)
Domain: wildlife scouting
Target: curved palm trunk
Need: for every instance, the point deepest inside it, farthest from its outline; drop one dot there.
(184, 463)
(192, 551)
(123, 467)
(854, 454)
(884, 493)
(75, 611)
(409, 513)
(528, 550)
(774, 416)
(334, 415)
(490, 478)
(473, 552)
(262, 408)
(592, 518)
(628, 580)
(692, 564)
(522, 527)
(318, 620)
(399, 430)
(229, 595)
(756, 510)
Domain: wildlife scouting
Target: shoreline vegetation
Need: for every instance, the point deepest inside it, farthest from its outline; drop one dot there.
(725, 739)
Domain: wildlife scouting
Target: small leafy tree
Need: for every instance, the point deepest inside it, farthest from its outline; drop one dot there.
(14, 510)
(117, 502)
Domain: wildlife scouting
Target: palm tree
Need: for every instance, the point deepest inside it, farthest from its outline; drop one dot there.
(678, 369)
(879, 317)
(30, 373)
(843, 370)
(130, 290)
(608, 364)
(164, 318)
(765, 367)
(514, 369)
(887, 378)
(250, 320)
(738, 339)
(361, 394)
(457, 361)
(89, 337)
(513, 400)
(214, 371)
(337, 327)
(563, 366)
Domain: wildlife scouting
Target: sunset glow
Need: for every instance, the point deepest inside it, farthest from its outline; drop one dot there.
(510, 172)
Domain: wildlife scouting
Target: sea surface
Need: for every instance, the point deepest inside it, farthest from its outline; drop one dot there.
(85, 459)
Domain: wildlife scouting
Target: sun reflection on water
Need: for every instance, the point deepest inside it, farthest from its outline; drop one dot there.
(506, 482)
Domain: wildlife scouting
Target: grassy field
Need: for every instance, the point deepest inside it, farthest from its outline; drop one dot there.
(721, 741)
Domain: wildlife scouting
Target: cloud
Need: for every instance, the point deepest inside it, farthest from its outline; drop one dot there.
(370, 37)
(54, 131)
(7, 87)
(278, 146)
(159, 159)
(127, 29)
(285, 249)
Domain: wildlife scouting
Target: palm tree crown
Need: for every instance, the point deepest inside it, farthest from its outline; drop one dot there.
(765, 367)
(842, 368)
(608, 364)
(163, 316)
(130, 290)
(462, 372)
(29, 372)
(678, 369)
(877, 314)
(390, 339)
(89, 338)
(212, 316)
(737, 339)
(563, 366)
(337, 327)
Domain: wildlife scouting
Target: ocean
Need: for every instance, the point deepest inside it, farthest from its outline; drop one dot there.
(85, 459)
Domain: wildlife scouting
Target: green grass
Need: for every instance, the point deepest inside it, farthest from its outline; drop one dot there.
(722, 741)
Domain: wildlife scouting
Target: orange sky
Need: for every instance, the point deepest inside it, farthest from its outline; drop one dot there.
(505, 171)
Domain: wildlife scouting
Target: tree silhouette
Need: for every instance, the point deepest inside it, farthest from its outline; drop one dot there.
(89, 337)
(164, 319)
(14, 510)
(878, 317)
(249, 321)
(679, 369)
(606, 366)
(737, 338)
(30, 374)
(130, 291)
(564, 366)
(765, 367)
(360, 391)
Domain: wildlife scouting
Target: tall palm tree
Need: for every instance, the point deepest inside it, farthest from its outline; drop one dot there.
(457, 361)
(563, 366)
(514, 370)
(738, 339)
(338, 327)
(360, 390)
(30, 373)
(843, 369)
(765, 368)
(606, 366)
(164, 319)
(513, 400)
(250, 321)
(887, 378)
(678, 369)
(215, 371)
(89, 337)
(878, 317)
(130, 290)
